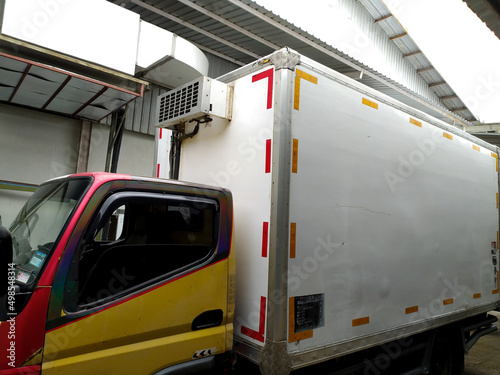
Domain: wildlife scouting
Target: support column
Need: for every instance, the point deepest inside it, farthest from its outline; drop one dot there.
(84, 147)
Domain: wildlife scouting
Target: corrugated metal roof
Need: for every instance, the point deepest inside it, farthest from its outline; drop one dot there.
(412, 53)
(488, 11)
(40, 86)
(238, 31)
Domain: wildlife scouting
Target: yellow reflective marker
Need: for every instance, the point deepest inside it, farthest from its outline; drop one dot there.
(292, 335)
(448, 135)
(295, 155)
(496, 158)
(411, 310)
(301, 75)
(415, 122)
(477, 148)
(370, 103)
(361, 321)
(448, 301)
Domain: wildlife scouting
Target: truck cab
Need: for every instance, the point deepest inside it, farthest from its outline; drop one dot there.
(111, 273)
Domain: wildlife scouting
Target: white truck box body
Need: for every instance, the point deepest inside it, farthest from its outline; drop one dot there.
(357, 219)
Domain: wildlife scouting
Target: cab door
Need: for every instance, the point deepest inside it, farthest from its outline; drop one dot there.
(145, 287)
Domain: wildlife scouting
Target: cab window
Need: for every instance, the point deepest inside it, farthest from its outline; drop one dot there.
(140, 240)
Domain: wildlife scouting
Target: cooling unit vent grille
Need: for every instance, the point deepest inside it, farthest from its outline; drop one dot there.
(179, 102)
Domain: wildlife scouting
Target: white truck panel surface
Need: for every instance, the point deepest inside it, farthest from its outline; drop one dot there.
(401, 220)
(390, 226)
(233, 155)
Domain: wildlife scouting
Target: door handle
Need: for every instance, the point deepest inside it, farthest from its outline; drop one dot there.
(207, 319)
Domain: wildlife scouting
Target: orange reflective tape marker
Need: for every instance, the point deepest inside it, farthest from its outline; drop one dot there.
(361, 321)
(415, 122)
(496, 160)
(292, 335)
(411, 310)
(295, 155)
(370, 103)
(448, 136)
(293, 239)
(301, 75)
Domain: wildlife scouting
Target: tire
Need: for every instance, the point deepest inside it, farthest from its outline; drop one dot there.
(447, 356)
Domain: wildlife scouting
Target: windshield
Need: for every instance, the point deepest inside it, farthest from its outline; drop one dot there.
(39, 224)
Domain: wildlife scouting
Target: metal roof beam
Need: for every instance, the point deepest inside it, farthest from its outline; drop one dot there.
(193, 27)
(412, 54)
(455, 110)
(59, 89)
(88, 102)
(232, 25)
(383, 18)
(447, 97)
(426, 69)
(440, 83)
(21, 80)
(402, 35)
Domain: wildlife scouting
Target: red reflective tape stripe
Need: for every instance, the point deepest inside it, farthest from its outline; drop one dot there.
(262, 321)
(161, 133)
(265, 231)
(268, 156)
(158, 170)
(269, 74)
(259, 336)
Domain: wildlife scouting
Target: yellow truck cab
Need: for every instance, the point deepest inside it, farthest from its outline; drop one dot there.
(116, 274)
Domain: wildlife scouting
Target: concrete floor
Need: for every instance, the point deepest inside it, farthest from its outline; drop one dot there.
(484, 357)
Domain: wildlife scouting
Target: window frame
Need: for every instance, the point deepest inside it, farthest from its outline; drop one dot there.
(107, 208)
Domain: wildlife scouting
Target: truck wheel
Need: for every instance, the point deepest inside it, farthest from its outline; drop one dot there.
(447, 357)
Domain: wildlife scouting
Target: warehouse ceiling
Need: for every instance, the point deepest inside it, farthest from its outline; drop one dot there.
(40, 86)
(240, 31)
(488, 11)
(237, 31)
(42, 79)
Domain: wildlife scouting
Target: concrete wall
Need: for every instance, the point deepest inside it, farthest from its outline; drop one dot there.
(136, 153)
(36, 146)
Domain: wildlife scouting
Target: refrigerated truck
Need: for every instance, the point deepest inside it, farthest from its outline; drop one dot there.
(316, 221)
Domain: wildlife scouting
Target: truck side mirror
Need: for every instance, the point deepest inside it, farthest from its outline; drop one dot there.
(5, 258)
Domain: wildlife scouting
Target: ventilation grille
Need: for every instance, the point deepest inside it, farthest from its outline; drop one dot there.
(178, 103)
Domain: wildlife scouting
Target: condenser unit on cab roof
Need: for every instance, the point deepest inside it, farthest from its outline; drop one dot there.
(194, 101)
